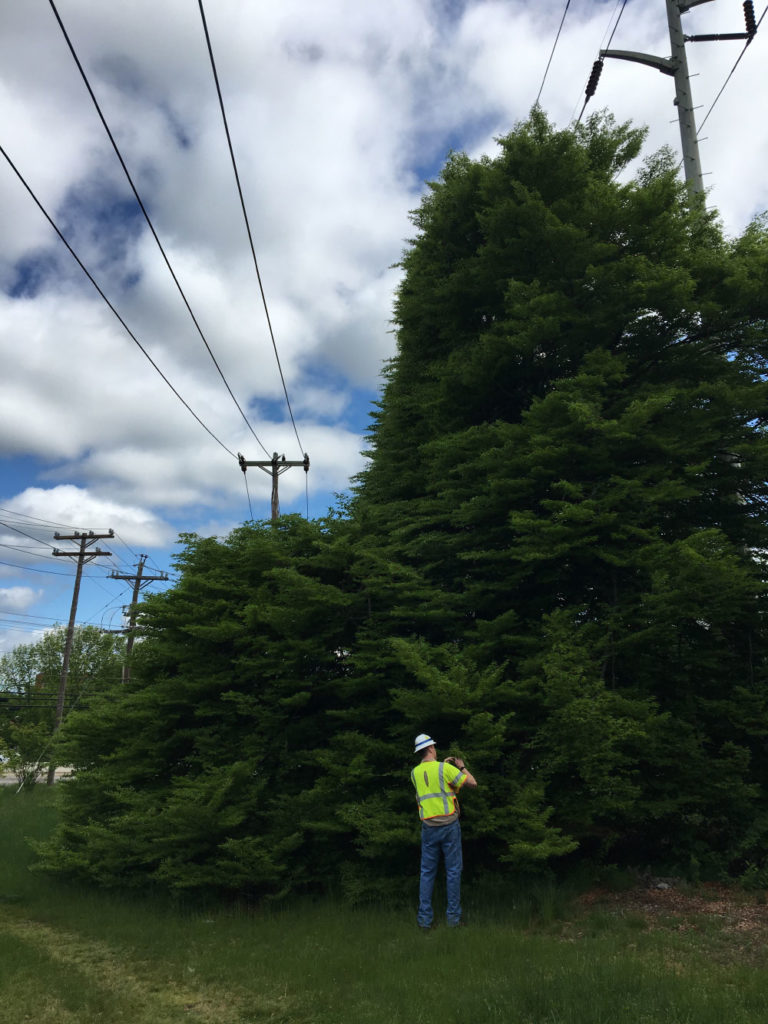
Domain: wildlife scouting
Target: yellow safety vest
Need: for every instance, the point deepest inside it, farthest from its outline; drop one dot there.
(436, 784)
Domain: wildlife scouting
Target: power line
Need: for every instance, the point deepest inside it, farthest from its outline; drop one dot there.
(248, 495)
(730, 74)
(597, 67)
(24, 515)
(247, 223)
(24, 548)
(552, 54)
(90, 277)
(16, 529)
(50, 522)
(31, 568)
(5, 616)
(125, 545)
(608, 28)
(44, 620)
(148, 220)
(610, 39)
(27, 550)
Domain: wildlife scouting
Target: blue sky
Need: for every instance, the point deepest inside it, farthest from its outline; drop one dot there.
(338, 113)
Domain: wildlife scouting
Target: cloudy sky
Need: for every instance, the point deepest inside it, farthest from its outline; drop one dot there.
(338, 111)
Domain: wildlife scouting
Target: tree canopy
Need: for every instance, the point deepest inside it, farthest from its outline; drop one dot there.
(29, 684)
(554, 562)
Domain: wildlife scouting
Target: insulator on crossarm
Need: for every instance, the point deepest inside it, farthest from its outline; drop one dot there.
(594, 78)
(749, 17)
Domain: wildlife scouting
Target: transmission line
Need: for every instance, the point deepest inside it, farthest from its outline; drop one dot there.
(148, 219)
(90, 277)
(25, 534)
(245, 217)
(597, 67)
(730, 74)
(46, 522)
(613, 33)
(552, 54)
(31, 568)
(24, 515)
(26, 550)
(248, 496)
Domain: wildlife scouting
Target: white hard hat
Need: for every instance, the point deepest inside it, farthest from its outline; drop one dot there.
(422, 741)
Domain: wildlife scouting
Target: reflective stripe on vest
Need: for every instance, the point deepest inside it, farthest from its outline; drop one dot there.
(433, 802)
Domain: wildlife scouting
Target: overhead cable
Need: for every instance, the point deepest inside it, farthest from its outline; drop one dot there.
(149, 221)
(245, 217)
(31, 568)
(24, 533)
(23, 516)
(26, 550)
(730, 74)
(90, 277)
(613, 33)
(552, 54)
(248, 496)
(597, 67)
(48, 522)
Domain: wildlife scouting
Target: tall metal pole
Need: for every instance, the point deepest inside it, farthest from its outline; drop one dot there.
(677, 67)
(684, 99)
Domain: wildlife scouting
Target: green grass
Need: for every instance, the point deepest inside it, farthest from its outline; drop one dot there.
(76, 956)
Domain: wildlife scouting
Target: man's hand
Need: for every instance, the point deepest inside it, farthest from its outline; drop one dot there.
(469, 779)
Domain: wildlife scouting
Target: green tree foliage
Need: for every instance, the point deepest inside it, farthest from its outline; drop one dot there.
(570, 457)
(205, 774)
(29, 686)
(554, 563)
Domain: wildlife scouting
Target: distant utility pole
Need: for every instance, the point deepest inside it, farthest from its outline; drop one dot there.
(275, 466)
(139, 580)
(677, 67)
(83, 555)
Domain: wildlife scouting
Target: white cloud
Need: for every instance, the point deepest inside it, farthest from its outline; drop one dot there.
(18, 599)
(337, 110)
(74, 505)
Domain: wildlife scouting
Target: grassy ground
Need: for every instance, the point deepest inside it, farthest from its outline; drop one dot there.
(73, 956)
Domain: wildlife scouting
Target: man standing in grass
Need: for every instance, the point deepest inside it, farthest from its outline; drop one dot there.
(436, 784)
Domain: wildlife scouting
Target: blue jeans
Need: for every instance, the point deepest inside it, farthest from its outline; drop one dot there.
(448, 839)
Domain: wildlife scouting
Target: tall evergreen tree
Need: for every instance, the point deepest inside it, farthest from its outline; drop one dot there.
(570, 454)
(554, 563)
(195, 775)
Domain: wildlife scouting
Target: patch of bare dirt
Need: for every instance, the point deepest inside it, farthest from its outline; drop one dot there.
(734, 908)
(731, 923)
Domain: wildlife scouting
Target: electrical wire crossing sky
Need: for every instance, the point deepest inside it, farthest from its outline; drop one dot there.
(204, 207)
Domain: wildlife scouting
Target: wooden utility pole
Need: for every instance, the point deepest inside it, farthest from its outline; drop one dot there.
(83, 555)
(139, 580)
(275, 466)
(677, 67)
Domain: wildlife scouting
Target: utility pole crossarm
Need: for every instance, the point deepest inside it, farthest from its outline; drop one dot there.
(677, 67)
(717, 38)
(144, 579)
(138, 579)
(74, 554)
(666, 65)
(280, 461)
(275, 466)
